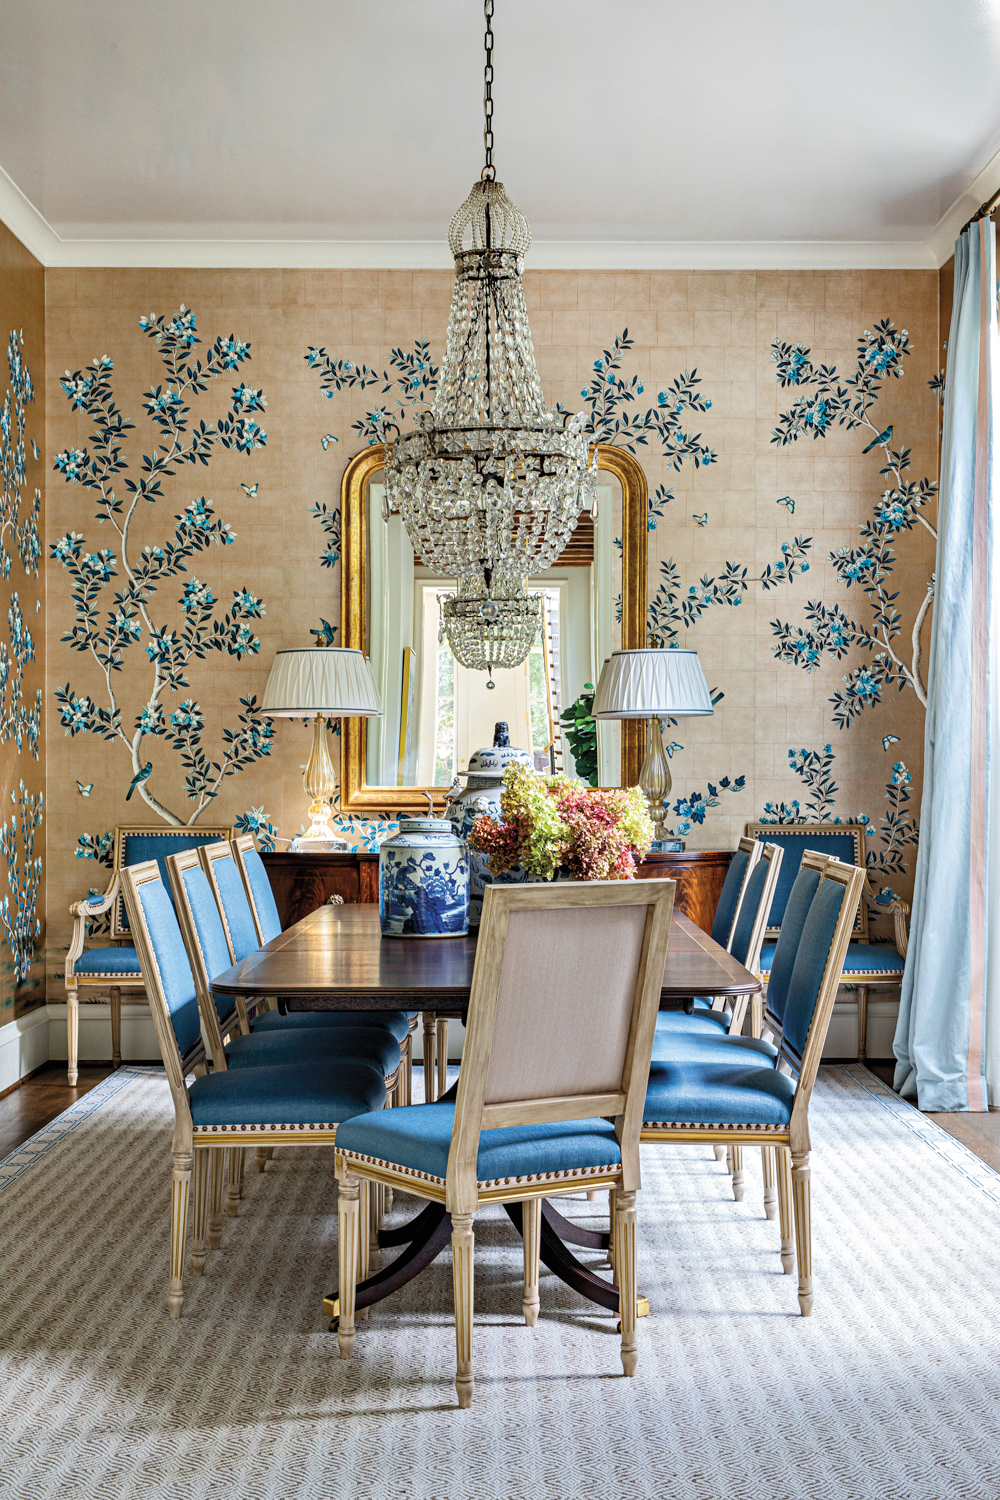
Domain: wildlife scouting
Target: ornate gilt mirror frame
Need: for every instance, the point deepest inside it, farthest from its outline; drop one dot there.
(355, 795)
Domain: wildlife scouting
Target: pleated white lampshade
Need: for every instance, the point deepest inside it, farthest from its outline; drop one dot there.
(331, 680)
(651, 684)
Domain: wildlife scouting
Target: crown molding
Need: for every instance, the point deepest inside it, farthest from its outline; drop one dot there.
(37, 235)
(942, 238)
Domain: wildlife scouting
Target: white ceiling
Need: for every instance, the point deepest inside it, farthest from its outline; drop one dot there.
(631, 132)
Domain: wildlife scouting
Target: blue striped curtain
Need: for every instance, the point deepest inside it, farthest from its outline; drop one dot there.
(947, 1042)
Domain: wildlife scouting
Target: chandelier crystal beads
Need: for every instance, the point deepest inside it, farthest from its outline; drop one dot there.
(490, 628)
(490, 479)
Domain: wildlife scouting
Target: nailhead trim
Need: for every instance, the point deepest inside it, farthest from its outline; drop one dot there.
(570, 1175)
(709, 1125)
(222, 1129)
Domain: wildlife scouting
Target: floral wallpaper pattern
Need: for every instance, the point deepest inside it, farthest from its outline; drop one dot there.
(737, 521)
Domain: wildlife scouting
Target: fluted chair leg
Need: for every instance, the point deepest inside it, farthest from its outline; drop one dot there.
(235, 1181)
(441, 1042)
(784, 1165)
(430, 1031)
(531, 1229)
(261, 1157)
(180, 1193)
(612, 1244)
(463, 1243)
(216, 1170)
(116, 1025)
(349, 1228)
(72, 1036)
(737, 1160)
(801, 1197)
(199, 1189)
(770, 1186)
(625, 1217)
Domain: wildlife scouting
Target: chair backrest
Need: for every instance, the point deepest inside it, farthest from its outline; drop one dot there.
(561, 1016)
(755, 907)
(842, 841)
(167, 978)
(812, 989)
(806, 883)
(258, 888)
(134, 845)
(745, 856)
(226, 880)
(204, 939)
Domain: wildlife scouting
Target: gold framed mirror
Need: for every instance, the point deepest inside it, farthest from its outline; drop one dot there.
(385, 764)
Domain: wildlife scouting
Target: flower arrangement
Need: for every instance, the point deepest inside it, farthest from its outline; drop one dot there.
(553, 822)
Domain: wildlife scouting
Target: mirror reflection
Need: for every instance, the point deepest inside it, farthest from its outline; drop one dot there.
(437, 713)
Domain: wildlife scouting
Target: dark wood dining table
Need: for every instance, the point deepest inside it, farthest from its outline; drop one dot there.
(336, 959)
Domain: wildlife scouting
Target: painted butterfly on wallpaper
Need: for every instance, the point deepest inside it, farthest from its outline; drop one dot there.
(702, 520)
(85, 791)
(889, 739)
(327, 439)
(788, 503)
(249, 489)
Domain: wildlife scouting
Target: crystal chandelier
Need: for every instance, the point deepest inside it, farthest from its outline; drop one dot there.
(490, 481)
(490, 626)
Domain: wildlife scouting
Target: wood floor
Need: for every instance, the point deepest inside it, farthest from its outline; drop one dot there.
(31, 1107)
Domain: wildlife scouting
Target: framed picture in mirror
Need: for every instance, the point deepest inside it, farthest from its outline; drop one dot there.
(438, 713)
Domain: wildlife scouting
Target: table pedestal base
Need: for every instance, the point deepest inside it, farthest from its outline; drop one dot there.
(426, 1235)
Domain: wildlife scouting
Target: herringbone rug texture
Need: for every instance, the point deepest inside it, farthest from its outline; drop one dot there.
(888, 1391)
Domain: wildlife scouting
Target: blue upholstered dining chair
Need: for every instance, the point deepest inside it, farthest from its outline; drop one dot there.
(748, 1091)
(291, 1103)
(258, 900)
(204, 936)
(704, 1017)
(550, 1094)
(116, 966)
(867, 965)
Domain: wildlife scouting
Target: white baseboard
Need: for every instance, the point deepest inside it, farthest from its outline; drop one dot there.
(139, 1042)
(842, 1037)
(24, 1046)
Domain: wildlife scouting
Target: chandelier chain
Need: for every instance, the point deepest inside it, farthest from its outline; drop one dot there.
(489, 172)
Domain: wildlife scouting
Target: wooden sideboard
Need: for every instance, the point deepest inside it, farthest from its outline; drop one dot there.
(303, 882)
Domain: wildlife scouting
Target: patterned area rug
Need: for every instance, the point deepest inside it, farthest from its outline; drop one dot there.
(889, 1390)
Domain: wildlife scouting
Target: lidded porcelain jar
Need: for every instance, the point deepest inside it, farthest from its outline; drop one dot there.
(423, 881)
(482, 795)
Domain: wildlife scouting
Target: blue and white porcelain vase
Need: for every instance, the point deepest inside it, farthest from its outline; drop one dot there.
(423, 881)
(482, 795)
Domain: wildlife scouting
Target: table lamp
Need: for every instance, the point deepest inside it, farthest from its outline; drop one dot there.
(653, 684)
(320, 683)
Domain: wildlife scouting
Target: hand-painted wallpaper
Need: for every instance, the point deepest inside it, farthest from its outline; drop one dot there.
(787, 423)
(22, 629)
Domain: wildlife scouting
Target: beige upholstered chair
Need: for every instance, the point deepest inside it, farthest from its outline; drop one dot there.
(116, 967)
(560, 1030)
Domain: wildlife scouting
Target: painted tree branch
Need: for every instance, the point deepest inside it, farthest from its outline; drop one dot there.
(172, 649)
(830, 631)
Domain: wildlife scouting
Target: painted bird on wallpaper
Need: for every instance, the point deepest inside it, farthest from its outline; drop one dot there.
(139, 778)
(883, 437)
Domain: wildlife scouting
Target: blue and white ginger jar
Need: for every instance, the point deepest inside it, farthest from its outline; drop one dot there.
(423, 881)
(482, 795)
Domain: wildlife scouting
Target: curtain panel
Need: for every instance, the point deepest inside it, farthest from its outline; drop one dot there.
(947, 1042)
